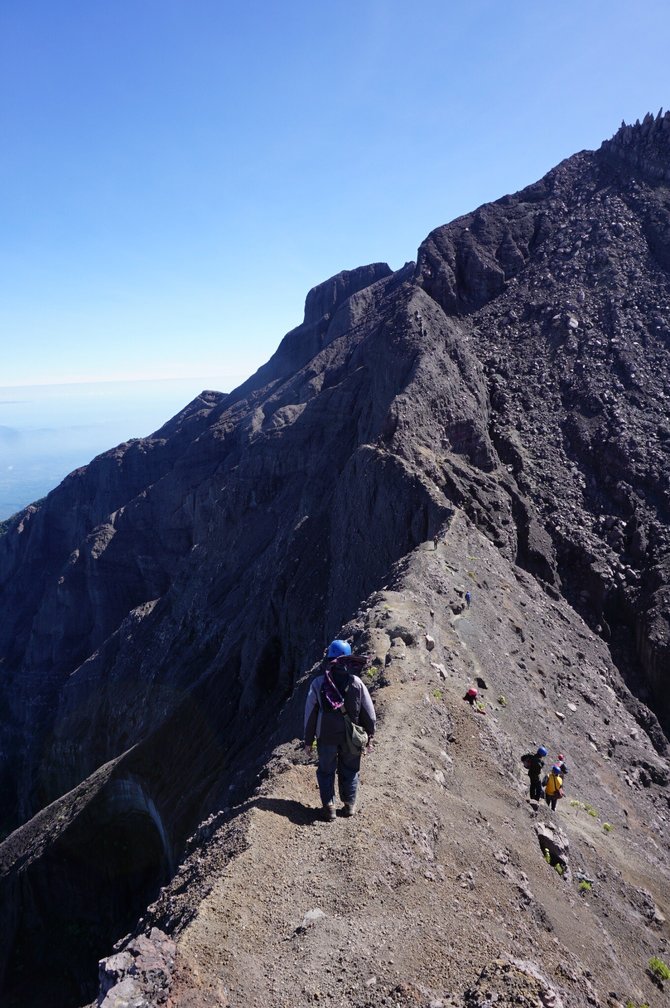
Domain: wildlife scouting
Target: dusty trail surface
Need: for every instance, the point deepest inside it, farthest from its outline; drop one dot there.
(437, 892)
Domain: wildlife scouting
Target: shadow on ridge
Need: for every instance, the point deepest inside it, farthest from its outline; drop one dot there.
(302, 815)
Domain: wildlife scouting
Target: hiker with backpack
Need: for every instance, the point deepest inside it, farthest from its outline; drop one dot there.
(340, 714)
(554, 787)
(533, 763)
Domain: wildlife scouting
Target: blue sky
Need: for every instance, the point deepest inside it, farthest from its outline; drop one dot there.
(176, 174)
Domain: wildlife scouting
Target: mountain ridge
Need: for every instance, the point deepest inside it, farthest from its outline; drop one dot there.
(175, 590)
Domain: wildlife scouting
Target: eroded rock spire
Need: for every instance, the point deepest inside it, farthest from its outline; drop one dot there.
(644, 146)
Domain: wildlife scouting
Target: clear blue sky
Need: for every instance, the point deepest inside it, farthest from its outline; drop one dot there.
(176, 174)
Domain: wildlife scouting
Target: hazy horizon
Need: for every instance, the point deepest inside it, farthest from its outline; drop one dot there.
(47, 431)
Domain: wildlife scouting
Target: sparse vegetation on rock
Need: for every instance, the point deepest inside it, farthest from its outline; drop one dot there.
(659, 969)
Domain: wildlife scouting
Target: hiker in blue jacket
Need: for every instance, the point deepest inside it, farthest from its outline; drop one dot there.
(338, 690)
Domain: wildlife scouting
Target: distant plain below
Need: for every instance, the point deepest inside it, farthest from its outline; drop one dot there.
(47, 431)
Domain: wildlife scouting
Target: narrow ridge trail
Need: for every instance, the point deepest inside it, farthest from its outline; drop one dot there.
(440, 874)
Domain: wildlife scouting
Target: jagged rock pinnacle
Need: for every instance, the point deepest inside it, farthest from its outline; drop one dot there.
(644, 146)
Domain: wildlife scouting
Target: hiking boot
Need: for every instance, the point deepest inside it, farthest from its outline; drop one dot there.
(329, 813)
(349, 808)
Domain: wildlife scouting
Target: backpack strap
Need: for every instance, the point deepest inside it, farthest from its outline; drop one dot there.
(335, 698)
(339, 698)
(331, 698)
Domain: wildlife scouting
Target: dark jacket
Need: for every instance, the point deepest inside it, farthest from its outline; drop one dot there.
(534, 764)
(328, 725)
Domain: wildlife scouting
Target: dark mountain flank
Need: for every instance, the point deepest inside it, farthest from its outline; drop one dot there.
(510, 393)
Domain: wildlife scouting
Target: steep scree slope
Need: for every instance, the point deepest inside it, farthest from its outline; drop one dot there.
(169, 596)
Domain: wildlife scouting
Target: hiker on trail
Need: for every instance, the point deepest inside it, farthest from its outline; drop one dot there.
(554, 787)
(468, 597)
(436, 539)
(335, 695)
(533, 763)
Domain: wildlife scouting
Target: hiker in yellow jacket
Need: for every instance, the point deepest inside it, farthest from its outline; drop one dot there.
(553, 789)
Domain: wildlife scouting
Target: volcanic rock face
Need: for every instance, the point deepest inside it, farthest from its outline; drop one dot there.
(160, 606)
(575, 349)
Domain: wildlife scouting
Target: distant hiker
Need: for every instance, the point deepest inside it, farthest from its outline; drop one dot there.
(334, 695)
(560, 763)
(471, 695)
(554, 787)
(467, 599)
(533, 763)
(436, 539)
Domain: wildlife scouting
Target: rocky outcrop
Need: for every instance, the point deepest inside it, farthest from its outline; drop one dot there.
(466, 264)
(512, 982)
(140, 975)
(331, 309)
(162, 604)
(323, 301)
(643, 147)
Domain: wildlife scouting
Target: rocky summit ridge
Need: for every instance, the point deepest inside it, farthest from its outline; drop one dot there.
(507, 394)
(644, 146)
